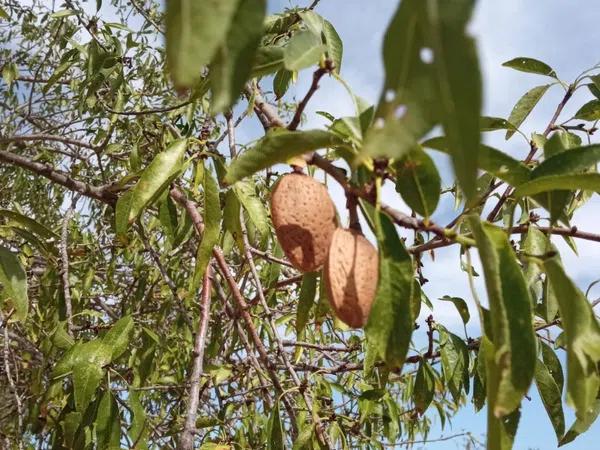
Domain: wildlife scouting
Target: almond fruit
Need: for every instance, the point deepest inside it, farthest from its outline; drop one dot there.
(304, 217)
(351, 273)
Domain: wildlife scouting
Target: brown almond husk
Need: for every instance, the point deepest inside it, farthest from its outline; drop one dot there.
(351, 273)
(304, 218)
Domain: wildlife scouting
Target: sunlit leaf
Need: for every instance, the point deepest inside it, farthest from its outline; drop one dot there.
(530, 65)
(276, 147)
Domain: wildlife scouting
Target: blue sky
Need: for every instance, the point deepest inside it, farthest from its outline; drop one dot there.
(563, 34)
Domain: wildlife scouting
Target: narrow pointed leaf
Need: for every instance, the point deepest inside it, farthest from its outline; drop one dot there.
(155, 179)
(590, 111)
(108, 423)
(582, 333)
(530, 65)
(511, 314)
(390, 323)
(551, 398)
(458, 80)
(277, 147)
(418, 181)
(585, 182)
(461, 307)
(491, 160)
(581, 425)
(524, 106)
(306, 300)
(119, 336)
(86, 379)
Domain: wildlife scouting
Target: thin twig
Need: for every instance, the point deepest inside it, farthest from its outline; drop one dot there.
(187, 436)
(317, 75)
(12, 385)
(64, 272)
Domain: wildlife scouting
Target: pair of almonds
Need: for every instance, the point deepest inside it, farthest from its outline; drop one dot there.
(306, 226)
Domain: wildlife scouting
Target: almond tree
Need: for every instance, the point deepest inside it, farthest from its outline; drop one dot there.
(151, 298)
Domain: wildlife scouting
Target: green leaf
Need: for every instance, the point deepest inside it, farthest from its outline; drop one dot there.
(281, 82)
(268, 60)
(277, 147)
(575, 160)
(553, 365)
(303, 50)
(118, 337)
(418, 181)
(487, 123)
(461, 307)
(559, 142)
(582, 333)
(500, 432)
(63, 13)
(246, 193)
(306, 300)
(590, 111)
(4, 14)
(459, 85)
(455, 362)
(157, 177)
(233, 61)
(408, 103)
(29, 224)
(275, 430)
(390, 323)
(581, 425)
(511, 314)
(212, 226)
(334, 45)
(584, 181)
(530, 65)
(524, 106)
(13, 281)
(167, 214)
(108, 423)
(86, 379)
(195, 30)
(491, 160)
(122, 209)
(424, 387)
(551, 398)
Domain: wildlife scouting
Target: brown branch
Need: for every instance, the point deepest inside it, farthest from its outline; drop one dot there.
(148, 111)
(262, 107)
(47, 137)
(187, 436)
(317, 75)
(225, 272)
(98, 193)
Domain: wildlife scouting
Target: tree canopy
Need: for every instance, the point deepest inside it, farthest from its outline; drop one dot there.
(145, 299)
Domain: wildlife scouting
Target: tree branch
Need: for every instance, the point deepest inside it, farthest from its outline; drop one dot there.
(187, 436)
(317, 75)
(98, 193)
